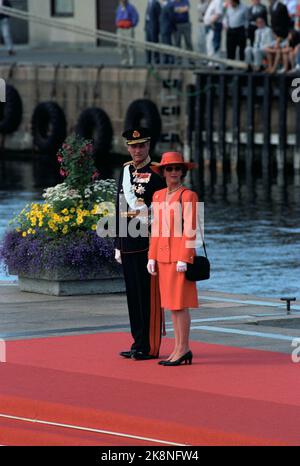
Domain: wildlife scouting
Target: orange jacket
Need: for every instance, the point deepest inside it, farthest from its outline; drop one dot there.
(173, 230)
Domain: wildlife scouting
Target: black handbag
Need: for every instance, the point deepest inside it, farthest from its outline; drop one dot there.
(200, 269)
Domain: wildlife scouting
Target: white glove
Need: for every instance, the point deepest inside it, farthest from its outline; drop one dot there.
(181, 266)
(151, 267)
(118, 256)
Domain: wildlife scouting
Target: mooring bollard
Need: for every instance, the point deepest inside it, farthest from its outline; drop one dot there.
(288, 304)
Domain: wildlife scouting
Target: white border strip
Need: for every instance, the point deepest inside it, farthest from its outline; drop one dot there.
(273, 336)
(280, 304)
(89, 429)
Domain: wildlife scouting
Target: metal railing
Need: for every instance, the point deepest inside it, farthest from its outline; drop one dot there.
(114, 39)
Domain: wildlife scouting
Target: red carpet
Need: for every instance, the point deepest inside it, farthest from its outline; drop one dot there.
(229, 396)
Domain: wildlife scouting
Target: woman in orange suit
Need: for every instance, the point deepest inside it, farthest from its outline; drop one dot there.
(172, 248)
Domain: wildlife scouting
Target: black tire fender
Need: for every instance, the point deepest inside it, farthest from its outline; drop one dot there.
(11, 111)
(95, 124)
(49, 127)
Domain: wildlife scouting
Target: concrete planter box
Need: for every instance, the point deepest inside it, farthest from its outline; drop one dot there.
(67, 282)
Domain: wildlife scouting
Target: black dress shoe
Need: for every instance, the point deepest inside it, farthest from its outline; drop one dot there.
(163, 362)
(127, 354)
(186, 358)
(140, 356)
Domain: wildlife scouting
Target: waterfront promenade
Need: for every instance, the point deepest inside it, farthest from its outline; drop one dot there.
(67, 56)
(63, 370)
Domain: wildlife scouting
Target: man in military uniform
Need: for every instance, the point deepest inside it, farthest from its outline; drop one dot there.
(137, 184)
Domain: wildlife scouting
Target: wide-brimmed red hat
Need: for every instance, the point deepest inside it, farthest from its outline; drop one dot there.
(172, 158)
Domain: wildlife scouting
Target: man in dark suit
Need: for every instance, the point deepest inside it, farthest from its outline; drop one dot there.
(137, 184)
(167, 27)
(152, 29)
(256, 10)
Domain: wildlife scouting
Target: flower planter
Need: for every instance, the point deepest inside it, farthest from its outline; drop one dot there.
(54, 247)
(67, 282)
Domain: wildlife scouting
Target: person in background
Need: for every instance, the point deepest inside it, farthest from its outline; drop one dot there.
(291, 52)
(152, 25)
(292, 10)
(280, 19)
(201, 39)
(5, 28)
(257, 9)
(213, 27)
(167, 28)
(182, 23)
(127, 19)
(280, 24)
(172, 248)
(236, 24)
(263, 38)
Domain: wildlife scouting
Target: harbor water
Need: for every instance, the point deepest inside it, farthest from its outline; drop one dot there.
(252, 232)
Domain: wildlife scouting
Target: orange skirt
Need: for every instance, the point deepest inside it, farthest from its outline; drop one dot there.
(176, 292)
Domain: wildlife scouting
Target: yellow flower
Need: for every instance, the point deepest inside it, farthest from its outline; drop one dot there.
(65, 229)
(73, 210)
(67, 219)
(24, 234)
(94, 227)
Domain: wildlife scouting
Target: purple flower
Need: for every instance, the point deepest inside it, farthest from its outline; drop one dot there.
(82, 251)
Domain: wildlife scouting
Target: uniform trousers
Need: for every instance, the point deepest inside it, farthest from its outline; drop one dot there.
(138, 285)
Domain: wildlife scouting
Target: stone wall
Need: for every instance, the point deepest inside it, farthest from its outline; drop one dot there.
(112, 89)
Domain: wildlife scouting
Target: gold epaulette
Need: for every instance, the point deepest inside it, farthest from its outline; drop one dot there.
(128, 163)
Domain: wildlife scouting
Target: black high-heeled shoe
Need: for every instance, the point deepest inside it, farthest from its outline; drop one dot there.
(186, 358)
(163, 362)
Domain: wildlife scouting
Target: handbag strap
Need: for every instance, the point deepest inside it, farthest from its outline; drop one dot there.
(203, 242)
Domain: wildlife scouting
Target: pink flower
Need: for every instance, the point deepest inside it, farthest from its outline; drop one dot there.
(95, 176)
(63, 173)
(88, 147)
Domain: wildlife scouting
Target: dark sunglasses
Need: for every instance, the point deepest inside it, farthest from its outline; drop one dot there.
(176, 168)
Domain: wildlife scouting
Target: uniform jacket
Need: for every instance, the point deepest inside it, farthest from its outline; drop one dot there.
(142, 187)
(173, 247)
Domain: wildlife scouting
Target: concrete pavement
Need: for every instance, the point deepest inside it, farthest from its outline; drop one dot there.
(228, 319)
